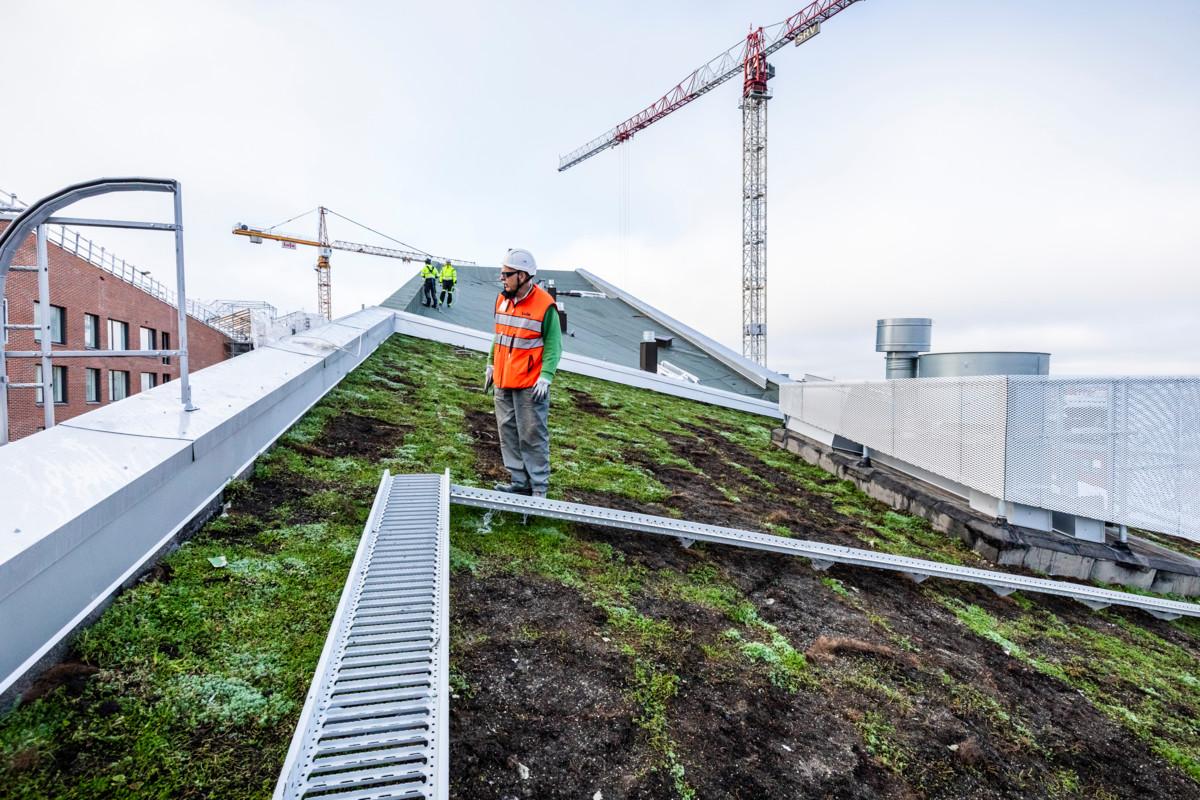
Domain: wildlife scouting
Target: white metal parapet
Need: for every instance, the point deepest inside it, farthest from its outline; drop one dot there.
(84, 505)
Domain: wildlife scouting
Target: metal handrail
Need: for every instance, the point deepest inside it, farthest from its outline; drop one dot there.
(821, 555)
(98, 255)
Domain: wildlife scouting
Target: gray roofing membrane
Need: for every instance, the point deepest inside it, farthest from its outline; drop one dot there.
(606, 328)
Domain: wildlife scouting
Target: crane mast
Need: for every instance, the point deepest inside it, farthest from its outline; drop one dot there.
(755, 95)
(324, 289)
(749, 58)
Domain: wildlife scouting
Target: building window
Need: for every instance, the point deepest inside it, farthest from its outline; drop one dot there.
(91, 331)
(91, 385)
(166, 377)
(166, 345)
(118, 384)
(58, 323)
(59, 376)
(148, 339)
(118, 336)
(149, 380)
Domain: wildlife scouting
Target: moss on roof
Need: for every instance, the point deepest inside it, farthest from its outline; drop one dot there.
(591, 660)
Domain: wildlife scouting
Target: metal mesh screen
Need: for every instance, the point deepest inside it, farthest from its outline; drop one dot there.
(1123, 450)
(953, 427)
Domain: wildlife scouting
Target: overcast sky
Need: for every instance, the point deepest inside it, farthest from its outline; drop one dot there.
(1025, 173)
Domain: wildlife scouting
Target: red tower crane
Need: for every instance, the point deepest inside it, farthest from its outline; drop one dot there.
(749, 58)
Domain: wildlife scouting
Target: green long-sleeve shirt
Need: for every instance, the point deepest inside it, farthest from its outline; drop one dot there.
(551, 345)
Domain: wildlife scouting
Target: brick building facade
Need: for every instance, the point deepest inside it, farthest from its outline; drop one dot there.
(91, 309)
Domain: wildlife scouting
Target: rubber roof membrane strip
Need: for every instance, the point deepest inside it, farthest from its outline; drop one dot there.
(375, 723)
(822, 555)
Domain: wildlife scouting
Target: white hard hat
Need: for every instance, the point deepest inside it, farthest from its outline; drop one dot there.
(520, 260)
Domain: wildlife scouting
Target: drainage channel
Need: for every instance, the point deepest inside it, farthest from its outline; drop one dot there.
(375, 723)
(821, 555)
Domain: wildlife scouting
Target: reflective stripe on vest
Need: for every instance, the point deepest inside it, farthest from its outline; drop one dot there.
(519, 344)
(520, 322)
(517, 353)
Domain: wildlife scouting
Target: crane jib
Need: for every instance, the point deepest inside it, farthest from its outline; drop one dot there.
(799, 27)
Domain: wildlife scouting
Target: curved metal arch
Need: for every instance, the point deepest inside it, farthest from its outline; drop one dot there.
(38, 213)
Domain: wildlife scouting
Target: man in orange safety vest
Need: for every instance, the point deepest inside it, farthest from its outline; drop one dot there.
(524, 357)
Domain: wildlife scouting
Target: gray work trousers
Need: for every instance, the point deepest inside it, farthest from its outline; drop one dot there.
(524, 437)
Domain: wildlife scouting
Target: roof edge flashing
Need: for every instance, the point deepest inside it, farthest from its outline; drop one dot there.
(758, 375)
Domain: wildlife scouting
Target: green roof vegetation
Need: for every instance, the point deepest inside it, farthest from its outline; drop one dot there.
(587, 660)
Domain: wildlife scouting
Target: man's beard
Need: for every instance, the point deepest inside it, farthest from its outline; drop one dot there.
(509, 295)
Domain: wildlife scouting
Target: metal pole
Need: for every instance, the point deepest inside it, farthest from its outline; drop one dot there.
(3, 363)
(43, 264)
(185, 389)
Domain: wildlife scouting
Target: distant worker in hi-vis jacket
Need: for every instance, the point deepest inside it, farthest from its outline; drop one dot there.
(524, 358)
(449, 281)
(429, 288)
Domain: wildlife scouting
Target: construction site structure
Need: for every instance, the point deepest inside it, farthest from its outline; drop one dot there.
(325, 247)
(749, 58)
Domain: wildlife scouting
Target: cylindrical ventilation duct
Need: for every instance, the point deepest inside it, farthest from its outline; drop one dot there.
(961, 365)
(649, 352)
(900, 339)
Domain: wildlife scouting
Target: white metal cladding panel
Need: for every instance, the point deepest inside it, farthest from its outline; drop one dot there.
(1118, 449)
(953, 427)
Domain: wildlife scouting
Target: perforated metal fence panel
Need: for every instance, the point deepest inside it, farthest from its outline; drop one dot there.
(952, 427)
(375, 724)
(1123, 450)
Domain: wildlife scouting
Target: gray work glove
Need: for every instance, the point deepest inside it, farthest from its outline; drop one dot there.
(487, 379)
(541, 389)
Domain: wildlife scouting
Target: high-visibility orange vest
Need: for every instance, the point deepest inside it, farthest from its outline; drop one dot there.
(517, 353)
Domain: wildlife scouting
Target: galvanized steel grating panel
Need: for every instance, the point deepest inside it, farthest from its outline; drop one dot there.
(375, 724)
(821, 555)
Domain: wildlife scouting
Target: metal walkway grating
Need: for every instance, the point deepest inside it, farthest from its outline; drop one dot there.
(375, 723)
(820, 554)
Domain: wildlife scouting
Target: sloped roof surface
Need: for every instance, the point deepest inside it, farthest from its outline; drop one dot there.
(605, 328)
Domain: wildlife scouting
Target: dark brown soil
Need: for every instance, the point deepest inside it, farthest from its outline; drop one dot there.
(739, 736)
(482, 427)
(71, 675)
(584, 402)
(271, 497)
(546, 693)
(348, 434)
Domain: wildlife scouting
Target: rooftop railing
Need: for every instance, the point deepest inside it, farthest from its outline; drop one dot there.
(98, 255)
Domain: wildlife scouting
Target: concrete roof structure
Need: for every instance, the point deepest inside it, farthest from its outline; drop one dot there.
(608, 328)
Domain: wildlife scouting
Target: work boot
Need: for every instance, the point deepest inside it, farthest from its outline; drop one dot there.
(513, 489)
(539, 493)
